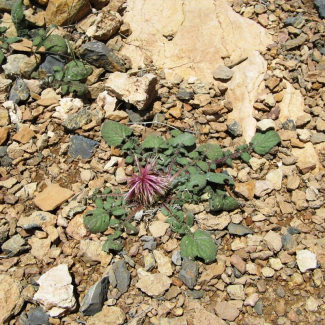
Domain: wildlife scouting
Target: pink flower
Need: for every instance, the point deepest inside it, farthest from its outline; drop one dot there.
(147, 185)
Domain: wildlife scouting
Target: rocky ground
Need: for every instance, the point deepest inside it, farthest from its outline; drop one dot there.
(245, 65)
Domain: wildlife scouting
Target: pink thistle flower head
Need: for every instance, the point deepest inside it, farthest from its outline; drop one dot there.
(147, 184)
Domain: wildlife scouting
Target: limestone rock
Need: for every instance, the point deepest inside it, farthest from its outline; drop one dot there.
(154, 285)
(163, 262)
(174, 41)
(158, 228)
(11, 299)
(226, 310)
(14, 62)
(4, 89)
(91, 252)
(62, 12)
(108, 316)
(52, 197)
(212, 222)
(306, 260)
(273, 241)
(56, 292)
(138, 91)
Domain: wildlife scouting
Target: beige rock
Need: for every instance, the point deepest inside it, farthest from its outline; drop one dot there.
(91, 252)
(52, 197)
(243, 90)
(200, 316)
(40, 248)
(292, 105)
(24, 135)
(139, 91)
(176, 112)
(37, 219)
(6, 21)
(76, 228)
(11, 300)
(107, 102)
(4, 89)
(154, 285)
(158, 228)
(273, 241)
(3, 135)
(212, 222)
(226, 310)
(108, 316)
(213, 271)
(190, 42)
(163, 262)
(246, 190)
(275, 176)
(56, 291)
(62, 12)
(116, 115)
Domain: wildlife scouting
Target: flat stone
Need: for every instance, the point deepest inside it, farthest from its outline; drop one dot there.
(91, 252)
(81, 146)
(226, 310)
(267, 272)
(108, 316)
(95, 297)
(273, 241)
(138, 91)
(236, 291)
(222, 73)
(24, 135)
(12, 67)
(11, 299)
(292, 43)
(52, 197)
(38, 219)
(158, 228)
(275, 176)
(48, 101)
(238, 263)
(119, 276)
(211, 222)
(77, 120)
(251, 300)
(154, 285)
(14, 246)
(312, 305)
(213, 271)
(38, 316)
(163, 262)
(265, 125)
(173, 321)
(263, 187)
(306, 260)
(19, 92)
(9, 183)
(239, 230)
(56, 292)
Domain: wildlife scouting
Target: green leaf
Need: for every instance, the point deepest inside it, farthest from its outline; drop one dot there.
(96, 220)
(203, 165)
(155, 142)
(190, 219)
(216, 204)
(175, 133)
(13, 39)
(3, 29)
(128, 145)
(193, 155)
(185, 139)
(245, 156)
(118, 212)
(64, 89)
(197, 182)
(77, 87)
(230, 204)
(130, 229)
(211, 150)
(129, 160)
(182, 161)
(219, 178)
(114, 223)
(200, 244)
(1, 57)
(262, 143)
(55, 44)
(99, 203)
(58, 75)
(76, 70)
(114, 133)
(112, 245)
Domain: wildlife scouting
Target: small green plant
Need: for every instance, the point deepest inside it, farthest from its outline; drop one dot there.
(18, 18)
(168, 174)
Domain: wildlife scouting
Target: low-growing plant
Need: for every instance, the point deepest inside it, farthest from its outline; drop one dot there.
(167, 174)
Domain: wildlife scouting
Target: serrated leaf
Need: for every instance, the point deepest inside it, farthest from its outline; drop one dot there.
(129, 160)
(245, 156)
(114, 133)
(197, 182)
(200, 244)
(96, 220)
(211, 150)
(216, 203)
(262, 143)
(190, 219)
(203, 165)
(219, 178)
(130, 229)
(112, 245)
(128, 145)
(99, 203)
(114, 223)
(230, 204)
(118, 212)
(155, 142)
(182, 161)
(185, 139)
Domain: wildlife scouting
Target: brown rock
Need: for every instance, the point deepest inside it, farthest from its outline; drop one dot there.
(226, 310)
(3, 135)
(25, 46)
(4, 117)
(62, 12)
(52, 197)
(76, 228)
(246, 190)
(47, 101)
(108, 316)
(4, 89)
(24, 135)
(238, 263)
(176, 112)
(212, 272)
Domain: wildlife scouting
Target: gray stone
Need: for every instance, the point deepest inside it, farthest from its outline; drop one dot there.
(288, 242)
(189, 272)
(38, 219)
(289, 125)
(101, 56)
(259, 307)
(297, 21)
(292, 43)
(38, 316)
(280, 292)
(120, 275)
(147, 238)
(320, 6)
(14, 62)
(235, 129)
(239, 230)
(77, 120)
(177, 258)
(14, 246)
(95, 297)
(194, 294)
(317, 138)
(150, 245)
(184, 94)
(222, 73)
(293, 231)
(81, 146)
(50, 62)
(19, 92)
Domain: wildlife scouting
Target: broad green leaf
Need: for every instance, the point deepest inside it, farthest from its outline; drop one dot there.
(200, 244)
(197, 182)
(155, 142)
(96, 220)
(203, 165)
(245, 156)
(64, 89)
(1, 57)
(77, 87)
(76, 70)
(193, 170)
(230, 204)
(118, 212)
(219, 178)
(193, 155)
(114, 133)
(128, 145)
(216, 203)
(185, 139)
(114, 223)
(13, 39)
(211, 150)
(262, 143)
(55, 44)
(130, 229)
(190, 219)
(3, 29)
(112, 245)
(223, 203)
(175, 133)
(129, 160)
(99, 203)
(182, 161)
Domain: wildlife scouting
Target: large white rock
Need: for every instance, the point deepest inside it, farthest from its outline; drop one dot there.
(190, 37)
(306, 260)
(139, 91)
(56, 292)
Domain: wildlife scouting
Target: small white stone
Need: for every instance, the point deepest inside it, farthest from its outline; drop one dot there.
(312, 304)
(275, 176)
(158, 228)
(266, 124)
(267, 272)
(273, 241)
(251, 300)
(236, 291)
(276, 264)
(306, 260)
(164, 263)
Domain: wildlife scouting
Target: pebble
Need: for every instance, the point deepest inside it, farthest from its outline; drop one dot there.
(19, 92)
(306, 260)
(14, 246)
(273, 241)
(177, 258)
(189, 272)
(158, 228)
(223, 73)
(108, 316)
(312, 304)
(185, 95)
(163, 262)
(154, 285)
(236, 291)
(239, 230)
(38, 316)
(259, 307)
(226, 310)
(77, 120)
(81, 146)
(119, 276)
